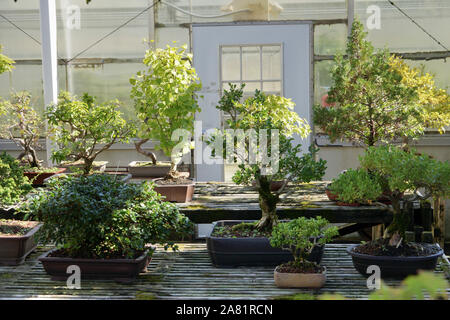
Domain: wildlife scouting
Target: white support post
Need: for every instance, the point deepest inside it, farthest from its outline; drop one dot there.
(49, 58)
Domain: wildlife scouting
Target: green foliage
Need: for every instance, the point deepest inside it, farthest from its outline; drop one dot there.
(6, 64)
(356, 186)
(372, 102)
(300, 235)
(13, 184)
(165, 96)
(21, 124)
(79, 127)
(98, 216)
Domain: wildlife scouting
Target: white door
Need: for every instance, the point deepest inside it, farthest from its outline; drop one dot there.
(274, 57)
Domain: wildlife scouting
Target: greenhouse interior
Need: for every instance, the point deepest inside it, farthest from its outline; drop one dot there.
(225, 150)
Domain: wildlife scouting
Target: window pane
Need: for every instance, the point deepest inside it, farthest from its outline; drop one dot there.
(231, 64)
(329, 39)
(251, 63)
(272, 87)
(323, 80)
(271, 62)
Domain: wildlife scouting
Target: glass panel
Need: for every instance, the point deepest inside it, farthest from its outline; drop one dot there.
(271, 62)
(272, 87)
(250, 88)
(329, 39)
(231, 64)
(251, 63)
(167, 36)
(439, 68)
(322, 79)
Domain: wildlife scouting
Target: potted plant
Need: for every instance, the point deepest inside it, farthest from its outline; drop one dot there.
(22, 124)
(243, 242)
(398, 171)
(103, 225)
(300, 236)
(165, 101)
(353, 187)
(83, 129)
(16, 237)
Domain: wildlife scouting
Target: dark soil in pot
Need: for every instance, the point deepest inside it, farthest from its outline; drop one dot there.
(395, 262)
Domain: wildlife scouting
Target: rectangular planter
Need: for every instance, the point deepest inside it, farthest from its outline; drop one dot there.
(115, 269)
(14, 250)
(137, 170)
(99, 166)
(177, 192)
(38, 178)
(234, 252)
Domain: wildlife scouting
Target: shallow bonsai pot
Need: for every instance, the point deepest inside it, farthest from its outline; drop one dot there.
(274, 185)
(234, 252)
(393, 267)
(99, 166)
(14, 249)
(300, 280)
(176, 192)
(37, 178)
(137, 170)
(115, 269)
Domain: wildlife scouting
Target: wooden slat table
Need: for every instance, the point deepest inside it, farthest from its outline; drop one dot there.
(187, 274)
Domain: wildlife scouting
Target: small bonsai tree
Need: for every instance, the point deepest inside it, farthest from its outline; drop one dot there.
(165, 100)
(82, 129)
(256, 117)
(13, 184)
(355, 186)
(105, 218)
(377, 98)
(398, 171)
(22, 124)
(300, 236)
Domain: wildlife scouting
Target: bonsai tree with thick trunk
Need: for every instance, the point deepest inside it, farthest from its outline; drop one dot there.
(165, 100)
(265, 123)
(376, 97)
(22, 124)
(397, 170)
(82, 129)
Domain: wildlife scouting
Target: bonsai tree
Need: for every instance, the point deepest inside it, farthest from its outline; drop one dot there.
(83, 129)
(258, 115)
(377, 98)
(165, 100)
(300, 236)
(13, 184)
(398, 171)
(21, 124)
(100, 217)
(355, 186)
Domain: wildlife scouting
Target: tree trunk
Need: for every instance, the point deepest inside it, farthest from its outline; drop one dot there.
(138, 146)
(87, 166)
(439, 221)
(399, 222)
(268, 204)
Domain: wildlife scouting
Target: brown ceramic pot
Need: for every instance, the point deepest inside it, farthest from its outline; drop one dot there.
(14, 249)
(299, 280)
(176, 192)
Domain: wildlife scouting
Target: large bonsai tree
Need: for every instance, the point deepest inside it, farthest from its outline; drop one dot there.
(396, 171)
(377, 98)
(22, 124)
(82, 129)
(265, 122)
(165, 100)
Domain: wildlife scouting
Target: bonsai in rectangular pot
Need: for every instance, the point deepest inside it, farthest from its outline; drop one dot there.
(296, 236)
(17, 240)
(82, 129)
(105, 226)
(165, 102)
(260, 116)
(149, 169)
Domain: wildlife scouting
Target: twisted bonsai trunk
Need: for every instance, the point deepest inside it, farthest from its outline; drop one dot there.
(268, 204)
(138, 146)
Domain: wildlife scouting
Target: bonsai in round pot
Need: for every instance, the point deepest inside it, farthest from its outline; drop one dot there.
(260, 116)
(83, 129)
(165, 102)
(398, 171)
(20, 123)
(299, 236)
(104, 226)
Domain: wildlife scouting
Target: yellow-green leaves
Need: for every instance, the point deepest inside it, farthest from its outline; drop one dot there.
(6, 64)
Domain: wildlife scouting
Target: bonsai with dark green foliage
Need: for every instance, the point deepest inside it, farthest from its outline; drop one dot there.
(13, 184)
(259, 119)
(373, 100)
(300, 236)
(82, 129)
(98, 216)
(22, 124)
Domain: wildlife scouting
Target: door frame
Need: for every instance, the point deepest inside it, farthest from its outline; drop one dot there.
(310, 25)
